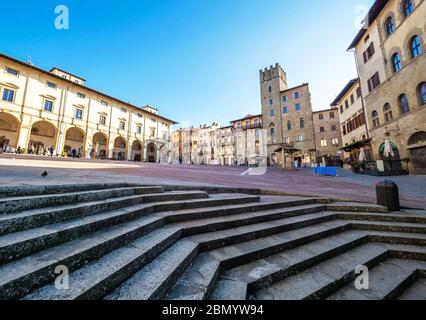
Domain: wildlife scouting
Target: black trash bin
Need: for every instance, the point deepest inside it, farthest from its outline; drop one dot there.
(388, 195)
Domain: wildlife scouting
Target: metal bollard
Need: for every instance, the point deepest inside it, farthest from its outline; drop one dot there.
(388, 195)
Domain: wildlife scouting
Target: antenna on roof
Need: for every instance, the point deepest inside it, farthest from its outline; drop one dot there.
(30, 61)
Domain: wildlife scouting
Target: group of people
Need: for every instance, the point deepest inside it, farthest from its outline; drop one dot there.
(41, 150)
(6, 148)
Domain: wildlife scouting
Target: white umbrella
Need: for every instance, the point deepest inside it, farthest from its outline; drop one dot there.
(388, 151)
(362, 156)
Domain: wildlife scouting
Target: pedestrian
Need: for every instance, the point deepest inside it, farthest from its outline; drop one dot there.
(74, 152)
(51, 150)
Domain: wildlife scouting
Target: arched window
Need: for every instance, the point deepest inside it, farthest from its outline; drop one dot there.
(415, 47)
(421, 92)
(387, 110)
(407, 7)
(396, 62)
(390, 26)
(375, 118)
(302, 123)
(404, 106)
(289, 126)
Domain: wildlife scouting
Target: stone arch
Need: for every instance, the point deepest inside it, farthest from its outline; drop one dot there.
(120, 149)
(99, 146)
(164, 154)
(9, 130)
(151, 152)
(43, 136)
(74, 142)
(418, 137)
(137, 148)
(407, 40)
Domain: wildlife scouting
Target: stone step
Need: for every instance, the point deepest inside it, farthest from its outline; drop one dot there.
(417, 290)
(20, 244)
(218, 239)
(18, 204)
(356, 207)
(227, 209)
(18, 191)
(324, 278)
(394, 217)
(153, 281)
(274, 268)
(41, 217)
(232, 221)
(199, 279)
(387, 281)
(20, 277)
(100, 277)
(227, 290)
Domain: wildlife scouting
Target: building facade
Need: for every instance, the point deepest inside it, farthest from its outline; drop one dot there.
(225, 146)
(391, 60)
(287, 115)
(354, 128)
(327, 136)
(41, 109)
(250, 141)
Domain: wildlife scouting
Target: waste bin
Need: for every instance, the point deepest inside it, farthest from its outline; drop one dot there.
(388, 195)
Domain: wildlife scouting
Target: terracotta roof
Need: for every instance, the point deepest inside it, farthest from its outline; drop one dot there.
(375, 10)
(344, 91)
(249, 116)
(59, 69)
(81, 86)
(297, 87)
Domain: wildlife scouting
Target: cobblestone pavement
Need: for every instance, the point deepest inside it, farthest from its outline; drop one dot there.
(15, 171)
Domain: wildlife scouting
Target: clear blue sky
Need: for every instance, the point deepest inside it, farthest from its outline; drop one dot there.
(196, 60)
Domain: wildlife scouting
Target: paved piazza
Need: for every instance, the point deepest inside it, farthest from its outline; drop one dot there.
(27, 170)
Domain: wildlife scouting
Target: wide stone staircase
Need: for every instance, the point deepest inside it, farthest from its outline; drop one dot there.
(132, 242)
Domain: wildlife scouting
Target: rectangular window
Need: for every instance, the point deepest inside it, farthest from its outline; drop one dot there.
(104, 103)
(352, 99)
(346, 104)
(284, 98)
(285, 110)
(333, 127)
(81, 95)
(139, 115)
(270, 88)
(48, 105)
(373, 82)
(322, 129)
(139, 130)
(79, 114)
(358, 92)
(296, 95)
(51, 84)
(8, 95)
(122, 125)
(331, 115)
(321, 116)
(124, 110)
(287, 140)
(344, 130)
(272, 113)
(298, 107)
(102, 120)
(271, 102)
(12, 71)
(341, 109)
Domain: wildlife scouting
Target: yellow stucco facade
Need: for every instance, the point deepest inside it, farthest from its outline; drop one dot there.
(41, 109)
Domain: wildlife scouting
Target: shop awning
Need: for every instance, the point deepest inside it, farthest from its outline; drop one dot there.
(287, 148)
(356, 145)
